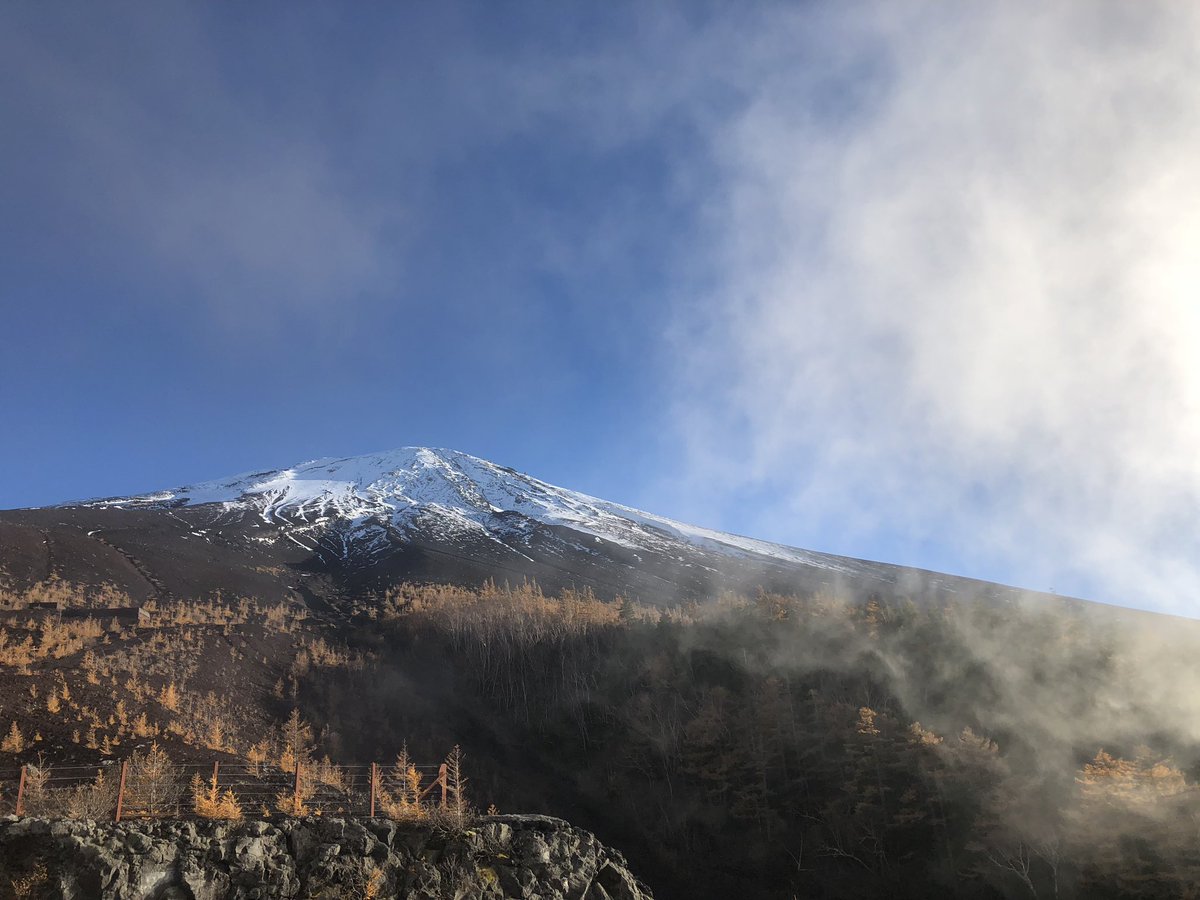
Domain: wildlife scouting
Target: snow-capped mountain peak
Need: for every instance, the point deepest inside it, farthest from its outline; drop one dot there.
(368, 500)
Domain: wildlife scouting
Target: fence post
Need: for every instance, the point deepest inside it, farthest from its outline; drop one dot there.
(121, 791)
(216, 768)
(374, 784)
(21, 794)
(442, 781)
(296, 794)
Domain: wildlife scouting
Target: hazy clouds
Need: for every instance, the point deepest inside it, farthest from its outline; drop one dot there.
(961, 310)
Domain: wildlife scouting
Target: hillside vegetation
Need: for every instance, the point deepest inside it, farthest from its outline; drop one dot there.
(770, 745)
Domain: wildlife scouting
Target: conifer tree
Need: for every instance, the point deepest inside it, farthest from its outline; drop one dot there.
(296, 740)
(403, 800)
(14, 741)
(209, 803)
(152, 785)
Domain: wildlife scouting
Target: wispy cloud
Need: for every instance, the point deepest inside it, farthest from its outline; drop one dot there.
(134, 136)
(961, 308)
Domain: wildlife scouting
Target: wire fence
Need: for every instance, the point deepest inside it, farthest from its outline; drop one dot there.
(153, 787)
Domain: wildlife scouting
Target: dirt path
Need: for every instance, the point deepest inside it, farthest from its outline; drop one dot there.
(49, 545)
(160, 590)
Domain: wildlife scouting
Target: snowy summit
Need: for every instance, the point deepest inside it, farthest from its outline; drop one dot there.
(419, 490)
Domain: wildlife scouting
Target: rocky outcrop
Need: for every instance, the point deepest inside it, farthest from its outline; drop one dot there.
(499, 856)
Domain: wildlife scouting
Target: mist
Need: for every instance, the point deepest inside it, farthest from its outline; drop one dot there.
(950, 315)
(1071, 727)
(852, 741)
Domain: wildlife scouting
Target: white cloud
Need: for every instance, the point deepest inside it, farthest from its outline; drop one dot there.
(962, 310)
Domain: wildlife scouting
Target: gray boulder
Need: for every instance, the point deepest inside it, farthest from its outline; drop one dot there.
(526, 857)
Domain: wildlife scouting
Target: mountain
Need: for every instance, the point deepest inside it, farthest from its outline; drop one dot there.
(331, 526)
(861, 730)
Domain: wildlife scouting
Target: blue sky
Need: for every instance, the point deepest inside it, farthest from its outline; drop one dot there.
(234, 242)
(892, 281)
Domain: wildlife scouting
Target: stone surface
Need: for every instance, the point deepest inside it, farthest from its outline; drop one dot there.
(527, 857)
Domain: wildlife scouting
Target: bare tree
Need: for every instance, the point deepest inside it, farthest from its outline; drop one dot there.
(1017, 861)
(153, 784)
(456, 795)
(94, 800)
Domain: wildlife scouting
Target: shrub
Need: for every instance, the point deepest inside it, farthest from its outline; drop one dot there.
(209, 803)
(14, 741)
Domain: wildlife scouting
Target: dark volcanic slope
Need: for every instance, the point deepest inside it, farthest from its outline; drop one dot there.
(334, 527)
(145, 552)
(197, 551)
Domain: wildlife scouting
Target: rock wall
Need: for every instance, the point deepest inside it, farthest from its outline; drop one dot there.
(331, 859)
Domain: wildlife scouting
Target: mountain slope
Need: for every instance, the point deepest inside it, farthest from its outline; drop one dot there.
(357, 524)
